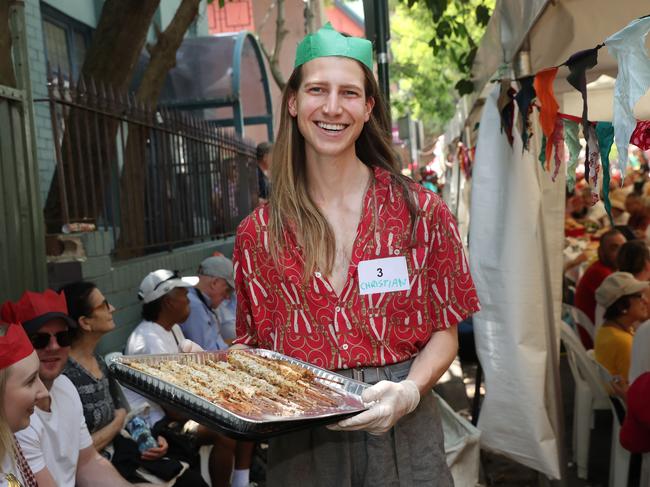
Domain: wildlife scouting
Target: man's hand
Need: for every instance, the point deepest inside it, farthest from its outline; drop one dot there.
(156, 453)
(391, 401)
(188, 346)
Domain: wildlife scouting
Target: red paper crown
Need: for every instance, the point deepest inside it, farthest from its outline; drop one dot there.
(35, 309)
(14, 346)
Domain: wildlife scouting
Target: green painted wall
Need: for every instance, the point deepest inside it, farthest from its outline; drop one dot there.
(119, 281)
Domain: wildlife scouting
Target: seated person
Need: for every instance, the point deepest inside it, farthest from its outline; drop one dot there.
(634, 257)
(215, 284)
(227, 313)
(165, 304)
(57, 444)
(209, 319)
(624, 301)
(585, 301)
(20, 390)
(104, 405)
(635, 432)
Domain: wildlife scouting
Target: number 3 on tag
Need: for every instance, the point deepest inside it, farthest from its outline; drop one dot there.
(383, 275)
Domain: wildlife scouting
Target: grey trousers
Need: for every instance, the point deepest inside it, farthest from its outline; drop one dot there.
(411, 454)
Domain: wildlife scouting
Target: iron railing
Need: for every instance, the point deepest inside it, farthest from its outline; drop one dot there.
(157, 178)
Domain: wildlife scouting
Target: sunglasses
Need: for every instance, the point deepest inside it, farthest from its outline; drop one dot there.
(104, 304)
(41, 340)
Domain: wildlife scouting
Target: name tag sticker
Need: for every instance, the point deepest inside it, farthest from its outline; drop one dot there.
(383, 275)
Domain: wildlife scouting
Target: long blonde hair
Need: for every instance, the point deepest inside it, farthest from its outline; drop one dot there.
(291, 207)
(6, 436)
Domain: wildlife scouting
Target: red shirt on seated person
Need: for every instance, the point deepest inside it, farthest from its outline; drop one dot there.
(585, 297)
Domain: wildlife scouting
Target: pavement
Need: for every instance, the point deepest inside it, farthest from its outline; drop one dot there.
(497, 470)
(457, 388)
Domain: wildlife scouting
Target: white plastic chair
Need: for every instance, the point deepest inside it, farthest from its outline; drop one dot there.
(619, 459)
(599, 318)
(590, 395)
(580, 319)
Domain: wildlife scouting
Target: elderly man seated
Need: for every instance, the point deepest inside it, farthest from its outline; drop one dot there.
(165, 305)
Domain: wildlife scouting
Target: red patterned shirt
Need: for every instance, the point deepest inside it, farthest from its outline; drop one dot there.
(311, 323)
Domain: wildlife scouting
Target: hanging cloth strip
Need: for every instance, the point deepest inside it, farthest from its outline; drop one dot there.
(548, 113)
(578, 65)
(558, 147)
(524, 99)
(591, 163)
(506, 109)
(633, 80)
(542, 153)
(641, 135)
(605, 134)
(572, 140)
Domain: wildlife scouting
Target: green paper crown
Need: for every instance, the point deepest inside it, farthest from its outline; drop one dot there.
(329, 42)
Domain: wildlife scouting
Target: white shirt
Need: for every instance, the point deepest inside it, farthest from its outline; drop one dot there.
(53, 439)
(150, 338)
(640, 361)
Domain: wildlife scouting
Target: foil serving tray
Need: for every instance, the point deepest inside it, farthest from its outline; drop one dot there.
(231, 423)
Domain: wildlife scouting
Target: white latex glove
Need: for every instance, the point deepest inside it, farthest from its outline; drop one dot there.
(188, 346)
(391, 401)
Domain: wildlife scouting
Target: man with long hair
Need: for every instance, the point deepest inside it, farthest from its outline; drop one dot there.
(355, 268)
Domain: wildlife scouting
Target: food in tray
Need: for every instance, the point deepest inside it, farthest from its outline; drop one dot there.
(249, 384)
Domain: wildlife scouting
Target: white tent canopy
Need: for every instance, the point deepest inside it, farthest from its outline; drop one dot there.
(516, 216)
(552, 32)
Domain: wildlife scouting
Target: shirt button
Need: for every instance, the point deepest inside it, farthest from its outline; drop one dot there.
(337, 309)
(396, 251)
(317, 274)
(344, 346)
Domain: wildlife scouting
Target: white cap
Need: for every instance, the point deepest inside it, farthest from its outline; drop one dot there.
(160, 282)
(617, 285)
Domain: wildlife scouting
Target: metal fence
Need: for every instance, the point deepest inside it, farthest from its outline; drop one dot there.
(157, 178)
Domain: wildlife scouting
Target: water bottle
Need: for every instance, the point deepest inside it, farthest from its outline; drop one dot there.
(141, 434)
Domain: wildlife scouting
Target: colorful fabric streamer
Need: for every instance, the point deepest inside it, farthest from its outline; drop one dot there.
(542, 153)
(605, 134)
(592, 164)
(548, 113)
(506, 108)
(578, 65)
(633, 80)
(572, 141)
(641, 135)
(524, 99)
(558, 147)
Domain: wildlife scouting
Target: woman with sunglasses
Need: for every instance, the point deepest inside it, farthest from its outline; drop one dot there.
(104, 406)
(103, 403)
(20, 390)
(626, 307)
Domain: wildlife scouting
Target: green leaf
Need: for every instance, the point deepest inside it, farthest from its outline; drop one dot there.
(443, 29)
(437, 8)
(482, 15)
(470, 56)
(464, 87)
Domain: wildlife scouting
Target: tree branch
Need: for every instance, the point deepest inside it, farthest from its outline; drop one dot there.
(163, 53)
(280, 33)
